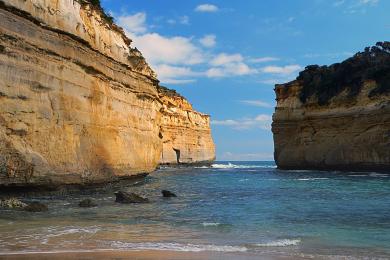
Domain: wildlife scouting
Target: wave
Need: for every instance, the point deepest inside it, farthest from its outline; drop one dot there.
(312, 179)
(281, 243)
(211, 224)
(177, 247)
(378, 175)
(237, 166)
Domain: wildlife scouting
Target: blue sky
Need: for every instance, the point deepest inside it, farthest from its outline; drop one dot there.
(225, 56)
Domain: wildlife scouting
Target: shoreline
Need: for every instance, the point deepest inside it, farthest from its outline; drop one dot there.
(145, 255)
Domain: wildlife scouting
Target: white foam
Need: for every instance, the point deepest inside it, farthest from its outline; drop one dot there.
(177, 247)
(378, 175)
(312, 179)
(211, 224)
(281, 243)
(54, 232)
(236, 166)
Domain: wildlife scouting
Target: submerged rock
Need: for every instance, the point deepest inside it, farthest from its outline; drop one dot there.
(87, 203)
(168, 194)
(129, 197)
(36, 207)
(12, 203)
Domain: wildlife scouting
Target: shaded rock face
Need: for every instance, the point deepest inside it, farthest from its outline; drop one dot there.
(328, 120)
(78, 105)
(36, 207)
(185, 133)
(87, 203)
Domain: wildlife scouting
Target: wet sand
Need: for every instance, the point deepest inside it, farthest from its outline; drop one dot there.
(144, 255)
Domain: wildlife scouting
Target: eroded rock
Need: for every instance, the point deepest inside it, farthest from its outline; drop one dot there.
(129, 197)
(12, 203)
(36, 207)
(79, 105)
(168, 194)
(87, 203)
(336, 117)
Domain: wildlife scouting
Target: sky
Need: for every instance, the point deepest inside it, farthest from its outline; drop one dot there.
(225, 56)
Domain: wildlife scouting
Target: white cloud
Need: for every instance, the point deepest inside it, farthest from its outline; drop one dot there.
(263, 59)
(228, 65)
(174, 74)
(133, 23)
(261, 121)
(369, 2)
(171, 21)
(256, 103)
(179, 60)
(207, 8)
(289, 69)
(184, 20)
(223, 59)
(208, 40)
(158, 49)
(229, 70)
(181, 20)
(339, 3)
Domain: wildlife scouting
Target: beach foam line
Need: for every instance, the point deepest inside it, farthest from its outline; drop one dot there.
(280, 243)
(177, 247)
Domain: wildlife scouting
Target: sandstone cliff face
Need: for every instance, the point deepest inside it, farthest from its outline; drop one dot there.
(336, 117)
(185, 133)
(77, 104)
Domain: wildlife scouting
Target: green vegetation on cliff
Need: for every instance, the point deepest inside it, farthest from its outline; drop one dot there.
(325, 82)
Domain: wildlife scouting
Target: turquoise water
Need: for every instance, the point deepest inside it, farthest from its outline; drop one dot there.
(230, 207)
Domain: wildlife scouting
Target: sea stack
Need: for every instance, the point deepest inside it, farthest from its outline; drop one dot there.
(336, 117)
(79, 105)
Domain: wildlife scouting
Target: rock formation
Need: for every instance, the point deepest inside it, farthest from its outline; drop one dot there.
(185, 133)
(78, 105)
(336, 117)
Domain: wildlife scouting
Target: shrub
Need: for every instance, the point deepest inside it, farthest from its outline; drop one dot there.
(328, 81)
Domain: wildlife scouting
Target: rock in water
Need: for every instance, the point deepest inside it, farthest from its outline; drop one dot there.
(336, 117)
(12, 203)
(36, 207)
(128, 197)
(168, 194)
(87, 203)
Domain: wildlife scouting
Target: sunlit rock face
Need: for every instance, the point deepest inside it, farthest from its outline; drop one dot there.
(185, 133)
(78, 105)
(336, 117)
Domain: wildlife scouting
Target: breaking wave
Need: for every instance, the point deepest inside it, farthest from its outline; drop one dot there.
(238, 166)
(177, 247)
(281, 243)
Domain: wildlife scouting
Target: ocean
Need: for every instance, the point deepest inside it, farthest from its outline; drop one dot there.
(232, 207)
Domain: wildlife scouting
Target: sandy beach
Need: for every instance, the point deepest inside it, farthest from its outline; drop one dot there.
(145, 255)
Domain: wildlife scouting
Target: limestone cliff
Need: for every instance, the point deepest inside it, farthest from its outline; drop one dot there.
(336, 117)
(77, 104)
(185, 133)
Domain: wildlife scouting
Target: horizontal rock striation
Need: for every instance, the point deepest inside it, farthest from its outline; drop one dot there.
(185, 133)
(78, 105)
(336, 117)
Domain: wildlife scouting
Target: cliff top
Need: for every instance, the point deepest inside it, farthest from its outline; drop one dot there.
(168, 92)
(326, 82)
(96, 5)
